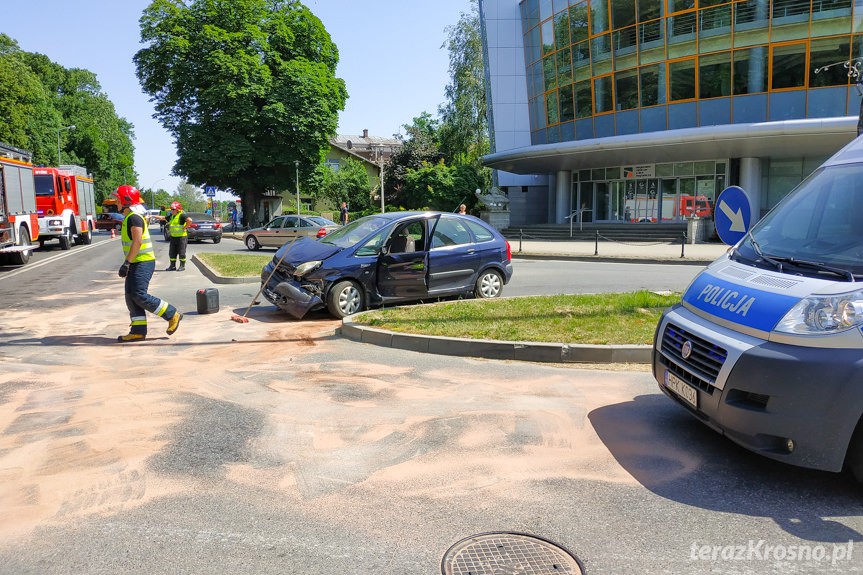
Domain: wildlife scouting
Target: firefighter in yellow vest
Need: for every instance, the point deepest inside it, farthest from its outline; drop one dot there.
(138, 267)
(178, 221)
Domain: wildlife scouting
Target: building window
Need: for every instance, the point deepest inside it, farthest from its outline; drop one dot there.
(626, 89)
(598, 16)
(681, 80)
(828, 51)
(583, 99)
(564, 67)
(603, 97)
(561, 30)
(652, 80)
(549, 73)
(750, 70)
(789, 66)
(714, 75)
(567, 103)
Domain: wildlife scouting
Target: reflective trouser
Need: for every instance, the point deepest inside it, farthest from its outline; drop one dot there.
(178, 248)
(139, 301)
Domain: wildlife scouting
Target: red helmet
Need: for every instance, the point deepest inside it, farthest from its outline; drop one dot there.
(176, 206)
(128, 196)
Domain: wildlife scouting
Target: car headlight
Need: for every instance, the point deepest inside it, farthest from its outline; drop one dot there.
(307, 267)
(820, 315)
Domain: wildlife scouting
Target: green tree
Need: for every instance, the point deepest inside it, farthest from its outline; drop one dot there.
(350, 183)
(421, 147)
(463, 132)
(432, 186)
(246, 87)
(190, 197)
(46, 97)
(27, 115)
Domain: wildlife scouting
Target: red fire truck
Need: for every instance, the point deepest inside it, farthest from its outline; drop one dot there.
(66, 204)
(19, 226)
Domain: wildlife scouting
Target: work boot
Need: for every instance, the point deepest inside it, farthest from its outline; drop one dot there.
(171, 268)
(174, 323)
(131, 337)
(182, 267)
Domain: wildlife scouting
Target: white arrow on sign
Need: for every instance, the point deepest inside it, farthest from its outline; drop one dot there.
(737, 224)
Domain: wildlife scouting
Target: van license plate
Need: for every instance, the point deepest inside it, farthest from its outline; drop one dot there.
(682, 389)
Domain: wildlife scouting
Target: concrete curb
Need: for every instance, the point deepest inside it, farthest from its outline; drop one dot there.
(492, 349)
(217, 279)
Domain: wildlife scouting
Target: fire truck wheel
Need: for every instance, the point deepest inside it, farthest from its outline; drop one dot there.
(85, 238)
(66, 240)
(21, 258)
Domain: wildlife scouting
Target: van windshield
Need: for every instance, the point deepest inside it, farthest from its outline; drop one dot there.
(819, 222)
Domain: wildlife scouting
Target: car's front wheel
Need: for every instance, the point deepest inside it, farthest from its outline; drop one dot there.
(488, 285)
(252, 243)
(345, 298)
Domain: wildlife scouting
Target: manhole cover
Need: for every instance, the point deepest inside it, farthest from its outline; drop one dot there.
(508, 554)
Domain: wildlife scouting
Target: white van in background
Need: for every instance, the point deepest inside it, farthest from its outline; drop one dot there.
(766, 346)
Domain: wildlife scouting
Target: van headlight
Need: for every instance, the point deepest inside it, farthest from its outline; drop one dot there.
(819, 315)
(307, 267)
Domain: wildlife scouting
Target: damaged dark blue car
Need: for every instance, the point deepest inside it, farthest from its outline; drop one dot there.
(388, 258)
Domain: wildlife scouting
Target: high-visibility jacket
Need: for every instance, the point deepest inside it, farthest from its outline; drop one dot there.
(145, 253)
(175, 228)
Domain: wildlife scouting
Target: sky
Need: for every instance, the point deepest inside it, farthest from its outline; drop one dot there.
(390, 57)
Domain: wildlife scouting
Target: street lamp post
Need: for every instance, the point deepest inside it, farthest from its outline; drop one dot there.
(297, 164)
(379, 156)
(58, 141)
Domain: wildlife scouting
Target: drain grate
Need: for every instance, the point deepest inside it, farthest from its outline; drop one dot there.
(504, 553)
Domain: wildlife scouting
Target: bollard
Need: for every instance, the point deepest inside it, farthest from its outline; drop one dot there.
(596, 243)
(682, 242)
(520, 237)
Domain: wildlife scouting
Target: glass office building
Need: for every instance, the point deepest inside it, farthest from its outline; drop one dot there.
(645, 110)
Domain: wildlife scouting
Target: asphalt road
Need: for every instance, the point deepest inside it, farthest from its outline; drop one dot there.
(277, 447)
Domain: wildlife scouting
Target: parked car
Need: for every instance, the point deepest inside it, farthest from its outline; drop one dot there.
(151, 216)
(282, 229)
(204, 227)
(109, 221)
(388, 258)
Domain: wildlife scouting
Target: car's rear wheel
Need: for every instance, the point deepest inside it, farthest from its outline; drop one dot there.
(252, 243)
(216, 240)
(345, 298)
(488, 285)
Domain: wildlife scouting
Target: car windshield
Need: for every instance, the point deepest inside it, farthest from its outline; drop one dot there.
(355, 232)
(816, 230)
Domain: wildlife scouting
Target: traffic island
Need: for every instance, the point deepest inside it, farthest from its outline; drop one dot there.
(494, 349)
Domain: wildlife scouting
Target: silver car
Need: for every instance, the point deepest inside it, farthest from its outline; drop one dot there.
(282, 229)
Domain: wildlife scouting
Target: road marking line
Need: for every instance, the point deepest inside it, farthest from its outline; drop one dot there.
(51, 259)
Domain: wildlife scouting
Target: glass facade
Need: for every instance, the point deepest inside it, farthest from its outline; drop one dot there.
(599, 68)
(649, 193)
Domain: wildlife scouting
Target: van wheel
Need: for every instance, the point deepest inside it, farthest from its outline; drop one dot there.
(344, 299)
(488, 285)
(66, 240)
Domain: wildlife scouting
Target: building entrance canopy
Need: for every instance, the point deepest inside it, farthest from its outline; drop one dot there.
(790, 138)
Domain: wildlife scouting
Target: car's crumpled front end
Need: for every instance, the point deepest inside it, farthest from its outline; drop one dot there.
(286, 287)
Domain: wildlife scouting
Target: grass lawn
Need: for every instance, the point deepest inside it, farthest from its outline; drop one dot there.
(626, 318)
(235, 265)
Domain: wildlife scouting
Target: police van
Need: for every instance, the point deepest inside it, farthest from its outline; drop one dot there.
(766, 345)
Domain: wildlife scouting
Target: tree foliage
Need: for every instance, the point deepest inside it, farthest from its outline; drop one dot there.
(39, 97)
(246, 88)
(350, 183)
(464, 121)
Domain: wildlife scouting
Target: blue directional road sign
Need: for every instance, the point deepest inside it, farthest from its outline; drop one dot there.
(732, 215)
(211, 191)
